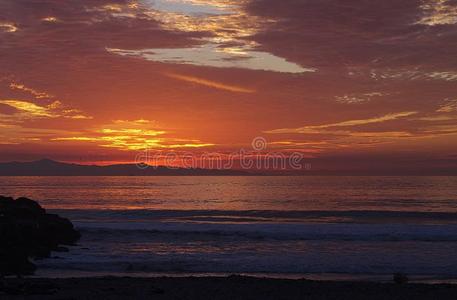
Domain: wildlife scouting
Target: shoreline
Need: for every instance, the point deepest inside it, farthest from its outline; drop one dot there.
(323, 277)
(228, 287)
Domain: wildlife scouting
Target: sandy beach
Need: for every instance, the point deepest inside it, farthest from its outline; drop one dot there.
(232, 287)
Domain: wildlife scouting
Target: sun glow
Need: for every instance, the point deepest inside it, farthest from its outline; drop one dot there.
(133, 136)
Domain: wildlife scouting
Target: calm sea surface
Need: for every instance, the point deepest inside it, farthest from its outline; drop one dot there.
(317, 227)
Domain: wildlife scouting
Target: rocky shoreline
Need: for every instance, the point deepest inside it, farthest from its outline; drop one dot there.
(28, 232)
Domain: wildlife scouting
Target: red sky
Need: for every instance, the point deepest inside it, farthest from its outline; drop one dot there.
(350, 83)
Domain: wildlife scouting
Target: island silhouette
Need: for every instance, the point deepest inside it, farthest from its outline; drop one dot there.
(48, 167)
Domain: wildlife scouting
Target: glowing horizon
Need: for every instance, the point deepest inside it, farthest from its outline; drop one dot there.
(346, 84)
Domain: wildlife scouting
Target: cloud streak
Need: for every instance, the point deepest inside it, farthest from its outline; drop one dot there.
(449, 106)
(33, 92)
(8, 27)
(210, 83)
(350, 123)
(30, 110)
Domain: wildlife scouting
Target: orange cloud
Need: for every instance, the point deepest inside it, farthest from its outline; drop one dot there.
(131, 136)
(29, 110)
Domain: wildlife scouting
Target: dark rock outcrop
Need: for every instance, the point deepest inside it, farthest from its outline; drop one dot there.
(27, 231)
(400, 278)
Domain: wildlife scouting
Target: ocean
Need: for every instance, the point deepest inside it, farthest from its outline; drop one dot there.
(312, 227)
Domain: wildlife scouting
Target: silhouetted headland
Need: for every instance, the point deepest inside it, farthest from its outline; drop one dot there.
(47, 167)
(27, 231)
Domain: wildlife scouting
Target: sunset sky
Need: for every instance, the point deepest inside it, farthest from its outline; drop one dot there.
(356, 83)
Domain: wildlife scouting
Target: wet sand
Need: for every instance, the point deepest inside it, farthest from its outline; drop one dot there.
(232, 287)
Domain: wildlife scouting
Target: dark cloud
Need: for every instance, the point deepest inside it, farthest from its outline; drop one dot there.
(79, 35)
(338, 33)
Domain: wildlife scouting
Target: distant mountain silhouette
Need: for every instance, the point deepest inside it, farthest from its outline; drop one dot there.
(47, 167)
